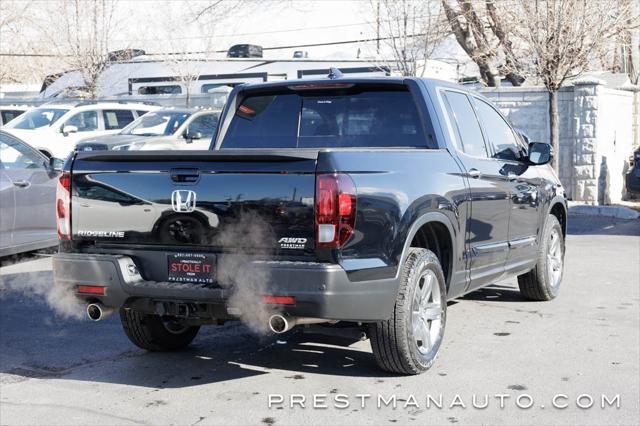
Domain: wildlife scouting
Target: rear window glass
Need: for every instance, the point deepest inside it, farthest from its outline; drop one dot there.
(369, 118)
(8, 115)
(117, 118)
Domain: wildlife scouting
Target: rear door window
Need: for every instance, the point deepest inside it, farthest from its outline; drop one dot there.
(116, 118)
(86, 121)
(465, 124)
(328, 119)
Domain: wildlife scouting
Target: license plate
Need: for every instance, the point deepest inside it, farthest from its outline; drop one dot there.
(191, 267)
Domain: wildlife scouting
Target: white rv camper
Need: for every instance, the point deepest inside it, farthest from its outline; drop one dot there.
(142, 76)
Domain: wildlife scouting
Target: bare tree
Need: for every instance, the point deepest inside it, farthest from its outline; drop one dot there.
(483, 33)
(410, 30)
(630, 41)
(214, 9)
(562, 37)
(79, 32)
(188, 34)
(187, 65)
(470, 33)
(14, 16)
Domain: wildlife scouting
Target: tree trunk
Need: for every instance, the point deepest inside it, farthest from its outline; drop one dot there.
(554, 128)
(488, 71)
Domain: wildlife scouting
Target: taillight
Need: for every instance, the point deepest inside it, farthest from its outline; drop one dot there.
(91, 289)
(63, 206)
(335, 209)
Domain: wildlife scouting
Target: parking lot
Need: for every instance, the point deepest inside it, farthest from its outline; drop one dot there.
(586, 342)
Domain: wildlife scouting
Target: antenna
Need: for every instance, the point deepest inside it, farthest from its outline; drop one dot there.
(334, 73)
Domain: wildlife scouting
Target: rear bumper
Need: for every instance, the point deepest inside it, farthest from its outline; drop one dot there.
(320, 290)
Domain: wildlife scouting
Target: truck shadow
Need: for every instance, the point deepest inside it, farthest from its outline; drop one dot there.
(496, 293)
(36, 343)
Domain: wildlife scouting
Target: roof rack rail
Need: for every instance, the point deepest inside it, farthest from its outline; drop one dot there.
(84, 103)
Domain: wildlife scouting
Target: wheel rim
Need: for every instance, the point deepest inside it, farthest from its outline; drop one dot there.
(426, 312)
(554, 259)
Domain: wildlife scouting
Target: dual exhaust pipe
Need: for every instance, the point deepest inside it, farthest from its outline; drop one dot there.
(98, 312)
(281, 324)
(277, 323)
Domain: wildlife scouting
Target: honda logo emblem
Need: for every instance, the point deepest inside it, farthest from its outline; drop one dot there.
(183, 201)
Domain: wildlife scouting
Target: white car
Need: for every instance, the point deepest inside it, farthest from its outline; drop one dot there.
(56, 127)
(163, 129)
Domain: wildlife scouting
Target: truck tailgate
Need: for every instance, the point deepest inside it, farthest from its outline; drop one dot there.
(256, 200)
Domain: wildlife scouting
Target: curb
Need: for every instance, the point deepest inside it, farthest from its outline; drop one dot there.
(618, 212)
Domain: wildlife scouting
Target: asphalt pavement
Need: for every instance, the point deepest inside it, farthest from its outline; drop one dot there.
(555, 356)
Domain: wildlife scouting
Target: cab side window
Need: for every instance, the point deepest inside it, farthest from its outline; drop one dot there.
(206, 125)
(499, 133)
(465, 124)
(86, 121)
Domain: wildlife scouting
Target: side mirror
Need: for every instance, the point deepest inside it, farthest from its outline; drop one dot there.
(189, 136)
(56, 164)
(540, 153)
(69, 129)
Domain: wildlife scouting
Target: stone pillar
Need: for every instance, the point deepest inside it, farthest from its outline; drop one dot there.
(585, 161)
(635, 118)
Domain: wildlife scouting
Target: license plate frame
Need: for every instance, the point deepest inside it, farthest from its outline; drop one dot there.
(196, 268)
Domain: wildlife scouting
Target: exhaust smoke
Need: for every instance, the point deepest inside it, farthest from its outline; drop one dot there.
(239, 241)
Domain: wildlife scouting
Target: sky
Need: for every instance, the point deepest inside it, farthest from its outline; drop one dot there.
(266, 23)
(160, 26)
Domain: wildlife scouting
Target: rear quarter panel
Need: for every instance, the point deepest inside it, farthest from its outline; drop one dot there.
(395, 188)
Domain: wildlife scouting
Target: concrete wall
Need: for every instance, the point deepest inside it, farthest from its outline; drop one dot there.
(598, 127)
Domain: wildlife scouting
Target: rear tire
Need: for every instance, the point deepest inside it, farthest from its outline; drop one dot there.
(409, 341)
(152, 333)
(542, 283)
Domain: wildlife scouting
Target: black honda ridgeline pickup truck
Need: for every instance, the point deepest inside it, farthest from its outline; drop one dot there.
(366, 200)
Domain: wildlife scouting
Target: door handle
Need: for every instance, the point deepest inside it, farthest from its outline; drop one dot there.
(474, 173)
(22, 183)
(511, 176)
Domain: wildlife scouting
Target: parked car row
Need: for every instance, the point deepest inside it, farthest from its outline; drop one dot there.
(35, 142)
(55, 128)
(169, 128)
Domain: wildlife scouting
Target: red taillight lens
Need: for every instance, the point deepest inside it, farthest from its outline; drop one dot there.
(63, 206)
(279, 300)
(90, 289)
(335, 209)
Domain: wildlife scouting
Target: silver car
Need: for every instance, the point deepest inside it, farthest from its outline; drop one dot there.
(28, 182)
(164, 129)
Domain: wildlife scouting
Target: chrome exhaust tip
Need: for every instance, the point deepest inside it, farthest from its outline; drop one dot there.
(98, 312)
(279, 324)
